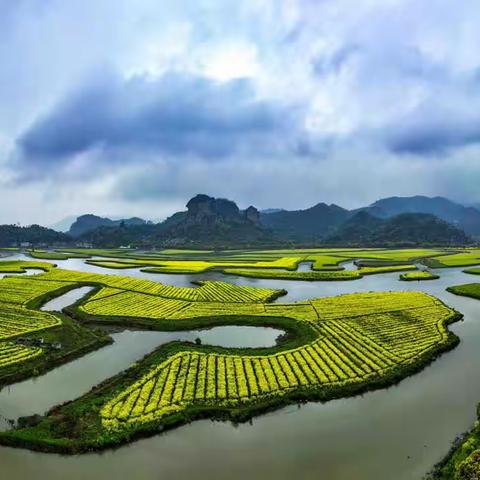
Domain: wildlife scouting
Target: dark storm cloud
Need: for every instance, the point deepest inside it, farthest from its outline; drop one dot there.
(433, 138)
(175, 114)
(432, 130)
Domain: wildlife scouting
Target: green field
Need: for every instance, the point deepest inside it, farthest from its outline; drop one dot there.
(412, 276)
(19, 266)
(467, 290)
(316, 275)
(335, 347)
(48, 255)
(282, 264)
(464, 258)
(20, 319)
(473, 271)
(326, 264)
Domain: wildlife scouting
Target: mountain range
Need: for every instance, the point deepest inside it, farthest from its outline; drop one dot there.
(220, 223)
(402, 230)
(86, 223)
(322, 219)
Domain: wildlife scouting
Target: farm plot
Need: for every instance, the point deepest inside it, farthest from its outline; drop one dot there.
(317, 275)
(343, 345)
(466, 258)
(205, 292)
(153, 265)
(18, 320)
(54, 255)
(361, 338)
(467, 290)
(20, 266)
(412, 276)
(15, 294)
(11, 353)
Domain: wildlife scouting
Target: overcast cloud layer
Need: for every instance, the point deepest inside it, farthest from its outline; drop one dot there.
(129, 108)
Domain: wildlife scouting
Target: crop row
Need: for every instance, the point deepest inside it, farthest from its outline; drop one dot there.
(21, 266)
(352, 305)
(21, 290)
(351, 346)
(206, 292)
(11, 353)
(15, 318)
(116, 303)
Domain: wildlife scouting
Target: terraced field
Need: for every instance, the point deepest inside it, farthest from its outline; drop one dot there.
(16, 319)
(360, 337)
(11, 353)
(20, 320)
(15, 316)
(341, 346)
(333, 347)
(19, 266)
(206, 292)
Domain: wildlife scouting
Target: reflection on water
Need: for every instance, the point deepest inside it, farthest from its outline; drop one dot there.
(391, 434)
(68, 298)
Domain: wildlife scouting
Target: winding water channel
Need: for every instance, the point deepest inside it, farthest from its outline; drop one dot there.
(391, 434)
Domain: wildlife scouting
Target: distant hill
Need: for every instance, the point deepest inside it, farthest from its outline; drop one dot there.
(406, 229)
(13, 235)
(64, 224)
(89, 222)
(310, 224)
(356, 229)
(467, 218)
(216, 222)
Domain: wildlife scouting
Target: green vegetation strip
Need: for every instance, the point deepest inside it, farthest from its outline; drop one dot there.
(412, 276)
(467, 290)
(465, 258)
(20, 266)
(336, 346)
(48, 255)
(189, 262)
(34, 341)
(473, 271)
(316, 275)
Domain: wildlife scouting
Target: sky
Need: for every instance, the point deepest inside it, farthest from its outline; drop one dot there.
(132, 107)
